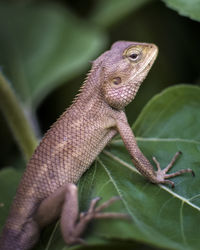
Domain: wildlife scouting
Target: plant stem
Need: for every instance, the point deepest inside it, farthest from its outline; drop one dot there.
(16, 118)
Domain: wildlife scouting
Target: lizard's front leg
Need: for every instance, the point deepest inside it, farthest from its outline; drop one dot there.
(64, 203)
(140, 161)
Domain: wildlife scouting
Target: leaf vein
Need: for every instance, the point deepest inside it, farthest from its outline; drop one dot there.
(156, 139)
(187, 201)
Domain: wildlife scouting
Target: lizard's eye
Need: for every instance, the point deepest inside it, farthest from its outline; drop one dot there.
(133, 54)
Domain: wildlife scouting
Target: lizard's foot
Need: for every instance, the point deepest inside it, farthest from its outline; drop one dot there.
(96, 212)
(161, 174)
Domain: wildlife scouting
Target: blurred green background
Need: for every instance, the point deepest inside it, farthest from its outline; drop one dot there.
(46, 48)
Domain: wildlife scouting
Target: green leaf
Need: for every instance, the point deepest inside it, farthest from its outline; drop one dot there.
(189, 8)
(107, 12)
(43, 46)
(161, 217)
(9, 179)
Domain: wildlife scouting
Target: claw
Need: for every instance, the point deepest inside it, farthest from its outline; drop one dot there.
(161, 174)
(107, 203)
(96, 212)
(93, 204)
(169, 182)
(112, 215)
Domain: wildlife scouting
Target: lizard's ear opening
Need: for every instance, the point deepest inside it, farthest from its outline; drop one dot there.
(116, 93)
(117, 80)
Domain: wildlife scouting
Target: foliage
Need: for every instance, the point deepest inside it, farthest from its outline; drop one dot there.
(185, 8)
(44, 51)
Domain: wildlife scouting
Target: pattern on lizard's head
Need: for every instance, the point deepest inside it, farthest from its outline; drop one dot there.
(124, 67)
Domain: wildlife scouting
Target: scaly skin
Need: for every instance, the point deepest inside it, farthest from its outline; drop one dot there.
(72, 144)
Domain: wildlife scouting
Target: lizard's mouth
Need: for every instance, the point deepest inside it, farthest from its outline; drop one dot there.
(150, 60)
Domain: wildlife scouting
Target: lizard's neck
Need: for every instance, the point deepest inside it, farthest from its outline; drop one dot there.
(90, 90)
(90, 96)
(91, 86)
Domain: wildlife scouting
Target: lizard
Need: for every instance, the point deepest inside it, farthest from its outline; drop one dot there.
(48, 187)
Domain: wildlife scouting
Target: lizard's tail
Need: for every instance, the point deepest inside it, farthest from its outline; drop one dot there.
(12, 239)
(20, 232)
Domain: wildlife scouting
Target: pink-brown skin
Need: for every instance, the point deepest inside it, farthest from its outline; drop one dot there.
(47, 188)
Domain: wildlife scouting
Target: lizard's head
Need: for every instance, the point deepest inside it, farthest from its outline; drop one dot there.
(124, 67)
